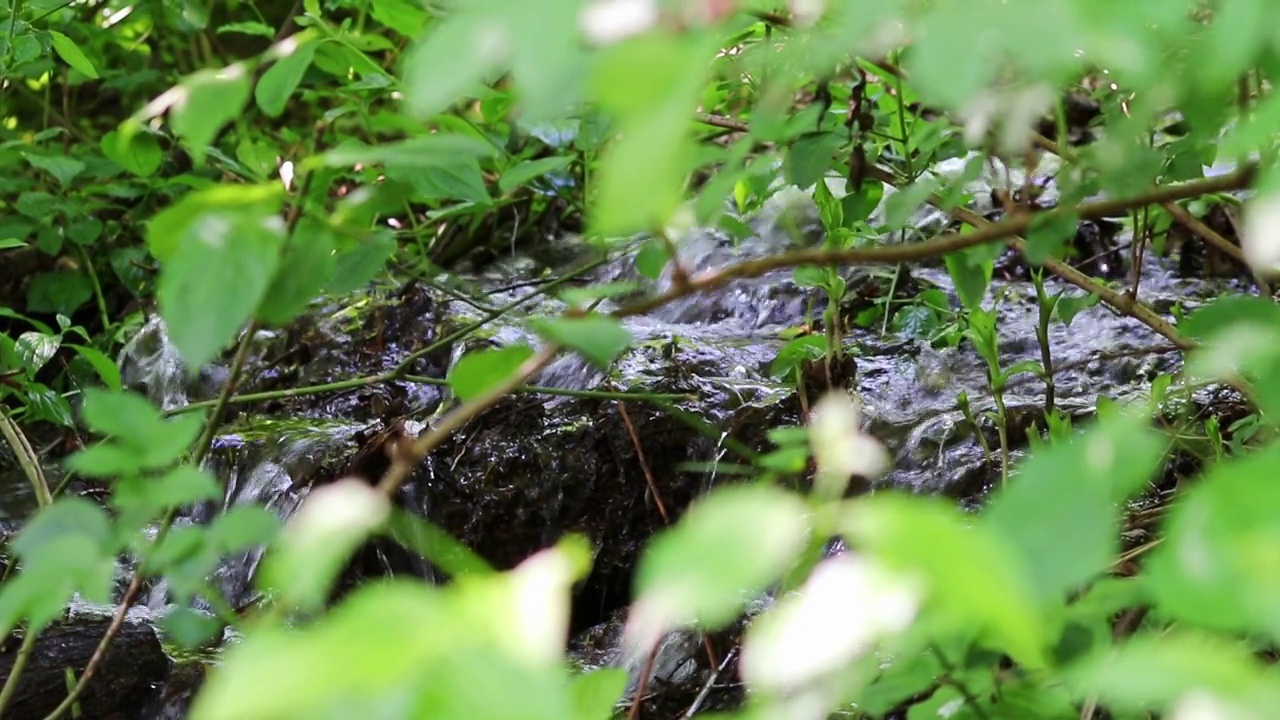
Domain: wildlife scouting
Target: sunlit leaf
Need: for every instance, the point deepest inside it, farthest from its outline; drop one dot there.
(481, 370)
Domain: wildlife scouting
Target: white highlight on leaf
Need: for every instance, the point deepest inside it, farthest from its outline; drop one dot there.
(541, 604)
(1260, 239)
(347, 508)
(807, 12)
(847, 605)
(606, 22)
(651, 617)
(1203, 705)
(840, 447)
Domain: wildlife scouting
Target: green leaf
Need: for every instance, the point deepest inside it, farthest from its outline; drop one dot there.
(595, 693)
(1068, 306)
(403, 16)
(66, 517)
(36, 204)
(58, 291)
(211, 216)
(183, 485)
(830, 209)
(425, 150)
(134, 150)
(650, 85)
(106, 368)
(305, 269)
(481, 370)
(356, 266)
(189, 628)
(1152, 671)
(597, 338)
(210, 289)
(332, 522)
(1218, 566)
(72, 55)
(809, 157)
(453, 179)
(1048, 235)
(449, 62)
(857, 207)
(360, 629)
(1085, 481)
(652, 259)
(901, 205)
(580, 297)
(35, 349)
(206, 100)
(434, 544)
(971, 273)
(247, 28)
(731, 543)
(63, 169)
(281, 79)
(85, 230)
(522, 172)
(241, 527)
(216, 270)
(977, 582)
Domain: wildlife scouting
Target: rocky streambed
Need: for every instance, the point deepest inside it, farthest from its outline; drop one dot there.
(600, 452)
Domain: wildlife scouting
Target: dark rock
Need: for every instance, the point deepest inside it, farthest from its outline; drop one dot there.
(134, 666)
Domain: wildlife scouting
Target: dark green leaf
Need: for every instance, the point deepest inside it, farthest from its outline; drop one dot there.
(971, 275)
(356, 266)
(1048, 235)
(66, 517)
(809, 157)
(522, 172)
(58, 291)
(63, 169)
(72, 55)
(305, 269)
(134, 150)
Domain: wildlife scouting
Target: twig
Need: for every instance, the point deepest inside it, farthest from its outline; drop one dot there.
(987, 232)
(644, 464)
(643, 683)
(711, 681)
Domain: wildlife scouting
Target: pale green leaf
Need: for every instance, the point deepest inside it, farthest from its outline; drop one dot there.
(205, 101)
(215, 280)
(730, 544)
(597, 338)
(1084, 480)
(481, 370)
(281, 79)
(72, 55)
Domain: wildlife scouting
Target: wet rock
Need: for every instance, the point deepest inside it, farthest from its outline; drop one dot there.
(125, 682)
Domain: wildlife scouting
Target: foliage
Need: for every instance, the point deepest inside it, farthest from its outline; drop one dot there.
(230, 164)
